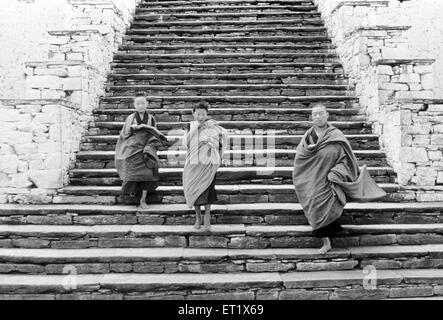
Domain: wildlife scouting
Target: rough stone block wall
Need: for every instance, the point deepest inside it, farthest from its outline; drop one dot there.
(387, 49)
(56, 77)
(37, 143)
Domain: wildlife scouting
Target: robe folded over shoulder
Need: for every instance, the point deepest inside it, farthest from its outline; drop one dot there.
(205, 145)
(136, 152)
(327, 175)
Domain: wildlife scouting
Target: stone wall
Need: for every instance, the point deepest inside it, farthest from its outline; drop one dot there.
(58, 71)
(24, 32)
(38, 140)
(393, 72)
(424, 38)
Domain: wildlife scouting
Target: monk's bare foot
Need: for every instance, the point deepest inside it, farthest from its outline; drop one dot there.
(326, 246)
(198, 223)
(207, 223)
(143, 205)
(325, 249)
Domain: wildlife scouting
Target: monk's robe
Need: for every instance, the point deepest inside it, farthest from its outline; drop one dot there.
(136, 155)
(326, 176)
(205, 145)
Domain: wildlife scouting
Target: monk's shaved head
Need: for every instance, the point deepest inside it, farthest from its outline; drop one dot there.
(320, 115)
(319, 106)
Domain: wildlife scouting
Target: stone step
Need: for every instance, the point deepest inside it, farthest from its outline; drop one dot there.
(324, 285)
(245, 127)
(223, 15)
(227, 194)
(226, 8)
(234, 57)
(242, 31)
(176, 156)
(147, 79)
(192, 260)
(248, 214)
(226, 175)
(176, 47)
(294, 22)
(228, 114)
(180, 68)
(237, 102)
(229, 89)
(358, 142)
(246, 3)
(221, 236)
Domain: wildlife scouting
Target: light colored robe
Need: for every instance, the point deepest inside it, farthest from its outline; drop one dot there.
(205, 145)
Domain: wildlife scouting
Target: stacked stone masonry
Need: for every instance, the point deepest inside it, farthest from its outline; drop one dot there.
(261, 64)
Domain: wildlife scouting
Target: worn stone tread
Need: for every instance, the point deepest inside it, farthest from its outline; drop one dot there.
(164, 282)
(258, 208)
(114, 255)
(218, 229)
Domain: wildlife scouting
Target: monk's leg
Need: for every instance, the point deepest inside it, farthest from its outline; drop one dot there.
(143, 204)
(198, 217)
(326, 246)
(207, 220)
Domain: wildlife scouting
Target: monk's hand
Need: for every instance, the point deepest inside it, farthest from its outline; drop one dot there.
(135, 127)
(311, 146)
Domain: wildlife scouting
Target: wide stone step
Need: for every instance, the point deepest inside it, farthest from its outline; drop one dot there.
(176, 47)
(229, 89)
(229, 57)
(217, 7)
(180, 68)
(221, 236)
(249, 214)
(324, 285)
(245, 127)
(146, 79)
(228, 114)
(224, 15)
(227, 194)
(226, 175)
(176, 156)
(237, 102)
(191, 260)
(358, 142)
(294, 22)
(246, 3)
(246, 28)
(213, 32)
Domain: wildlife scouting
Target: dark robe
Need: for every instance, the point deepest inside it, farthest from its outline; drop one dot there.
(326, 177)
(136, 158)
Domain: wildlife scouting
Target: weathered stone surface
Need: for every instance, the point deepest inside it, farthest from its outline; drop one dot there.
(304, 295)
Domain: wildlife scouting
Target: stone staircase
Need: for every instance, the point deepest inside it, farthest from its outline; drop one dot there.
(261, 64)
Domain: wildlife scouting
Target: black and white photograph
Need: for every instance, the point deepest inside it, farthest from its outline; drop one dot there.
(235, 151)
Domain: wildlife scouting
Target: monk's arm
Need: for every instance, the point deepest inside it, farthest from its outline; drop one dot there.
(127, 130)
(342, 169)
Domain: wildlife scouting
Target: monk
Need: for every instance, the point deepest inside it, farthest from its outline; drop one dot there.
(205, 142)
(326, 174)
(136, 152)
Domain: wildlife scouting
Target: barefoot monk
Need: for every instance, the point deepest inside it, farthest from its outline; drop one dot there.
(136, 152)
(326, 175)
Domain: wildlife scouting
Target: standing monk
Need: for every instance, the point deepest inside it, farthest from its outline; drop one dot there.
(205, 143)
(136, 152)
(326, 174)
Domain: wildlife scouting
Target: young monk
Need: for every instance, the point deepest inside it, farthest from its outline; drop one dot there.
(326, 173)
(205, 142)
(136, 152)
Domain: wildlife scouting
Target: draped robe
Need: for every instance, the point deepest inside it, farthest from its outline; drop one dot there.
(327, 176)
(136, 153)
(205, 145)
